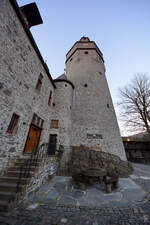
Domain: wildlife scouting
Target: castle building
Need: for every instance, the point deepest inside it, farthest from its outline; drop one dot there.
(75, 109)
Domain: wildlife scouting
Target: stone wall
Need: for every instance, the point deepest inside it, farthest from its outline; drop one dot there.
(84, 158)
(62, 112)
(42, 175)
(137, 151)
(20, 68)
(94, 121)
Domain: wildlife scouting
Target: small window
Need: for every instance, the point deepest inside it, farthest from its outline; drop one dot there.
(65, 85)
(50, 98)
(13, 123)
(100, 73)
(107, 105)
(37, 121)
(54, 124)
(86, 53)
(39, 82)
(85, 85)
(70, 59)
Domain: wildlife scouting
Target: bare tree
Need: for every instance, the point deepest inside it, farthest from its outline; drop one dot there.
(135, 104)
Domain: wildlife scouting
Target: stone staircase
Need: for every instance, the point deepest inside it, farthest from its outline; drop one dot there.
(8, 183)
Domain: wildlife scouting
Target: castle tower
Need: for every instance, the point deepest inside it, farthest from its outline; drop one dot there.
(94, 122)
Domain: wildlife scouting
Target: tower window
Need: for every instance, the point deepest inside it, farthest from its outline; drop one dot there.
(50, 98)
(107, 105)
(71, 59)
(85, 85)
(39, 82)
(86, 52)
(13, 123)
(100, 73)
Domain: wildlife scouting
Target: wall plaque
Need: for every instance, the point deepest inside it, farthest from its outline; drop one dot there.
(94, 136)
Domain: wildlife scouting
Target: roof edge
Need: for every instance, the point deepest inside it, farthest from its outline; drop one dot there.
(67, 81)
(85, 49)
(84, 42)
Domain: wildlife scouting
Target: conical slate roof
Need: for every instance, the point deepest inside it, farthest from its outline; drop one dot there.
(62, 77)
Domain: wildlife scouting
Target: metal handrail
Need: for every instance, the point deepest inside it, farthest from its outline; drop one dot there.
(25, 169)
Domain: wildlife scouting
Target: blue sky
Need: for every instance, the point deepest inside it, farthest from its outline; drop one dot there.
(121, 29)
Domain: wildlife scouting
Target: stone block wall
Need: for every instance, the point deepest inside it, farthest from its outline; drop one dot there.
(20, 68)
(42, 175)
(62, 111)
(137, 151)
(84, 158)
(94, 122)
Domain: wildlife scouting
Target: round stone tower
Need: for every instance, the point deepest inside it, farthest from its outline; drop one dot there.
(94, 122)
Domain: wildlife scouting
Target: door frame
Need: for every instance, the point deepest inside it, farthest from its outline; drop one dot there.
(56, 141)
(31, 125)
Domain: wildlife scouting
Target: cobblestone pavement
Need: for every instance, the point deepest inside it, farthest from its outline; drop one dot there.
(34, 212)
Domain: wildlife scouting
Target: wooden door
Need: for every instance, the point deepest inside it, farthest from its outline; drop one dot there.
(32, 139)
(52, 144)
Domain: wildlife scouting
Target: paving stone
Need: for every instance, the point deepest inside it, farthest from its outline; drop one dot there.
(63, 220)
(128, 183)
(134, 194)
(66, 200)
(105, 209)
(46, 187)
(33, 206)
(52, 194)
(35, 198)
(60, 187)
(76, 194)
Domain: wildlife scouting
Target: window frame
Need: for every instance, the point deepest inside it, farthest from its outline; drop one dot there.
(50, 97)
(39, 82)
(13, 123)
(54, 124)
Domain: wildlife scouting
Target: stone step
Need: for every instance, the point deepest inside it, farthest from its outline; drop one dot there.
(4, 206)
(16, 168)
(9, 180)
(19, 164)
(22, 160)
(17, 173)
(7, 196)
(9, 187)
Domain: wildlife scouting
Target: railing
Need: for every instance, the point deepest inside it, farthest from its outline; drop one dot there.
(25, 168)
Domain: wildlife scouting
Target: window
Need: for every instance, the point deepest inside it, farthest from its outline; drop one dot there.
(37, 121)
(85, 85)
(86, 53)
(13, 123)
(39, 83)
(50, 98)
(54, 124)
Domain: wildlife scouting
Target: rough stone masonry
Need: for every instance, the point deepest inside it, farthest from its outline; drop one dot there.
(78, 103)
